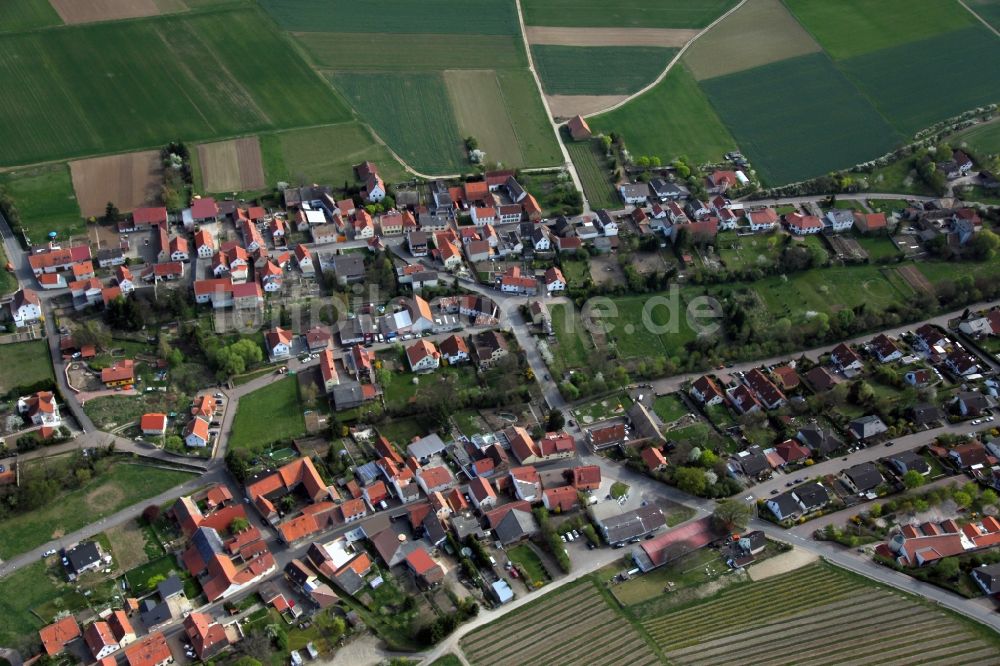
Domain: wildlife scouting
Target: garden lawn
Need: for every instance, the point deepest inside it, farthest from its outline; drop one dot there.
(598, 70)
(826, 290)
(887, 206)
(571, 352)
(529, 561)
(380, 51)
(624, 13)
(575, 272)
(690, 570)
(401, 430)
(877, 247)
(851, 27)
(739, 252)
(669, 407)
(484, 17)
(116, 86)
(588, 158)
(941, 271)
(412, 114)
(325, 154)
(673, 119)
(24, 364)
(27, 588)
(45, 201)
(889, 76)
(823, 122)
(139, 577)
(123, 485)
(267, 415)
(603, 409)
(20, 15)
(669, 333)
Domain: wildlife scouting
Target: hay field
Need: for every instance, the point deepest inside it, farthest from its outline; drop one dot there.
(231, 166)
(129, 180)
(758, 33)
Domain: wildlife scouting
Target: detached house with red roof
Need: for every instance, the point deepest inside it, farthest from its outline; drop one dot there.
(422, 356)
(434, 479)
(40, 409)
(101, 640)
(803, 225)
(560, 499)
(653, 458)
(206, 635)
(25, 308)
(482, 494)
(763, 219)
(554, 280)
(869, 222)
(56, 635)
(706, 391)
(150, 651)
(587, 477)
(278, 342)
(153, 424)
(196, 433)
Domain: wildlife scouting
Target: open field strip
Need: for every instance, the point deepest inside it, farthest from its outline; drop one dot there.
(45, 198)
(909, 640)
(596, 180)
(608, 36)
(758, 33)
(481, 17)
(551, 606)
(378, 51)
(625, 13)
(74, 11)
(848, 28)
(598, 70)
(522, 649)
(27, 15)
(567, 106)
(480, 111)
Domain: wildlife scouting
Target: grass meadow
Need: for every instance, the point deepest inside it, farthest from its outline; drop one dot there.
(983, 139)
(598, 70)
(109, 87)
(477, 102)
(821, 123)
(588, 157)
(848, 28)
(325, 154)
(484, 17)
(45, 200)
(535, 137)
(671, 120)
(267, 415)
(624, 13)
(24, 364)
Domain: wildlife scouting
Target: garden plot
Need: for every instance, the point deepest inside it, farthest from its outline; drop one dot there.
(560, 628)
(231, 166)
(128, 181)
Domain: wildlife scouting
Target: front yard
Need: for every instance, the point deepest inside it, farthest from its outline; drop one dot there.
(530, 564)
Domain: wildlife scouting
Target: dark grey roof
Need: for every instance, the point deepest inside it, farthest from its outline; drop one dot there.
(170, 587)
(867, 426)
(664, 188)
(754, 462)
(84, 555)
(909, 460)
(632, 524)
(812, 495)
(819, 440)
(464, 525)
(516, 525)
(349, 581)
(924, 413)
(349, 266)
(988, 577)
(153, 614)
(208, 543)
(787, 506)
(865, 476)
(433, 529)
(347, 395)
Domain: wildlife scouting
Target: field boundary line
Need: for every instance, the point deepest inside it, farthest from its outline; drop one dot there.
(567, 160)
(979, 18)
(670, 65)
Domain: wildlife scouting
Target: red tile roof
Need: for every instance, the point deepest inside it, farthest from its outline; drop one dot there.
(149, 651)
(56, 635)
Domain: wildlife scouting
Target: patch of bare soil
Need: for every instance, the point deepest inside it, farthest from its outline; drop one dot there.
(666, 37)
(90, 11)
(567, 106)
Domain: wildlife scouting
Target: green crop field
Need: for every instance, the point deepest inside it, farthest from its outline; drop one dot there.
(267, 415)
(588, 158)
(673, 119)
(989, 10)
(598, 70)
(799, 118)
(485, 17)
(848, 28)
(624, 13)
(889, 76)
(325, 154)
(824, 600)
(375, 51)
(24, 364)
(45, 200)
(983, 139)
(479, 108)
(109, 87)
(19, 15)
(122, 486)
(412, 114)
